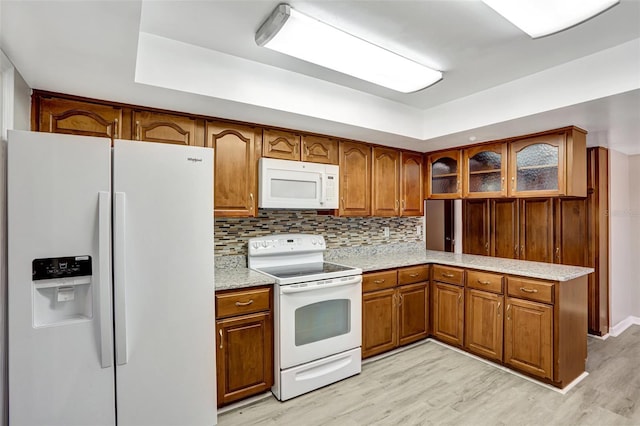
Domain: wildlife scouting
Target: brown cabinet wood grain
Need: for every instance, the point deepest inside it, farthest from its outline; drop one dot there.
(529, 337)
(385, 190)
(413, 321)
(74, 117)
(236, 152)
(485, 171)
(159, 127)
(318, 149)
(355, 179)
(476, 227)
(448, 312)
(281, 144)
(411, 184)
(536, 230)
(244, 343)
(571, 231)
(504, 230)
(379, 322)
(484, 323)
(444, 175)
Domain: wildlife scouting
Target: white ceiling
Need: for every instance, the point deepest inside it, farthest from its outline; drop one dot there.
(200, 57)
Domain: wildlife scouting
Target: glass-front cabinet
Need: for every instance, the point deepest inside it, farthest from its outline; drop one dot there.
(537, 166)
(485, 171)
(444, 175)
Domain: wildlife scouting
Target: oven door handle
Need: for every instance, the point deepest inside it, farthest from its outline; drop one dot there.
(290, 289)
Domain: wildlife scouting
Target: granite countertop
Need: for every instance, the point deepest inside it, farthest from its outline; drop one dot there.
(235, 275)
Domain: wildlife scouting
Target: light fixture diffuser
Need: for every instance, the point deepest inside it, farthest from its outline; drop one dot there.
(540, 18)
(293, 33)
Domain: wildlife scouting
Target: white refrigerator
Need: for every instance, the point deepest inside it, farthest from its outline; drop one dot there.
(110, 282)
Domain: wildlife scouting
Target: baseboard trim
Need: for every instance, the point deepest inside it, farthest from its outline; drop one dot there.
(620, 327)
(595, 336)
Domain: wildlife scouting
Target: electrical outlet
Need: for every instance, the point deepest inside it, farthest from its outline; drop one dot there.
(386, 231)
(419, 230)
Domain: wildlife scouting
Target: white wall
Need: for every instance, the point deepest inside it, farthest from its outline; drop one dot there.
(623, 286)
(15, 114)
(634, 199)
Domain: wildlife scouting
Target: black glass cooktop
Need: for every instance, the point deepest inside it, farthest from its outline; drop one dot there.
(304, 269)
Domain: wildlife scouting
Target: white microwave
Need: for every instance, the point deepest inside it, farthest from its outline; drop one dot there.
(286, 184)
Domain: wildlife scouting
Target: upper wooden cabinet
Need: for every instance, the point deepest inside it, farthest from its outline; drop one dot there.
(411, 184)
(281, 144)
(485, 171)
(355, 179)
(549, 165)
(55, 115)
(385, 192)
(318, 149)
(151, 126)
(444, 174)
(237, 149)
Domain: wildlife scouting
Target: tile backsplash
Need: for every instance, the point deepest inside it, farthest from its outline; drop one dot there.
(231, 234)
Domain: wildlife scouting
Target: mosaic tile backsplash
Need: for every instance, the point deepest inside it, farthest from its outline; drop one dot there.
(231, 234)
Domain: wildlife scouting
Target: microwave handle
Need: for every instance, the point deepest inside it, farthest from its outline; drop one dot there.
(323, 188)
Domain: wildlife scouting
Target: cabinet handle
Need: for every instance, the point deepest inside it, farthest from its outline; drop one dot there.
(137, 130)
(379, 281)
(459, 298)
(342, 201)
(458, 185)
(414, 275)
(502, 184)
(513, 184)
(447, 275)
(515, 250)
(508, 312)
(244, 303)
(499, 304)
(558, 253)
(115, 129)
(251, 203)
(220, 332)
(399, 300)
(522, 252)
(306, 151)
(528, 290)
(404, 204)
(397, 204)
(484, 282)
(486, 247)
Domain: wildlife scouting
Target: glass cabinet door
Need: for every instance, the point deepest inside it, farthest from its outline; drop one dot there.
(444, 175)
(537, 166)
(485, 171)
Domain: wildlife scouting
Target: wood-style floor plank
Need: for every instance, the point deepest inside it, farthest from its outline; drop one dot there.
(433, 385)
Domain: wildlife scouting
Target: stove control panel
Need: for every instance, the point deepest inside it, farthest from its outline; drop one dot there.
(286, 243)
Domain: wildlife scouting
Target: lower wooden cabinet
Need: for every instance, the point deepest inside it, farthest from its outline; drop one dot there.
(395, 309)
(448, 312)
(244, 349)
(484, 323)
(529, 343)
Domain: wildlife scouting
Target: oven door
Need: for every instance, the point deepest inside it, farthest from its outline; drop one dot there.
(319, 320)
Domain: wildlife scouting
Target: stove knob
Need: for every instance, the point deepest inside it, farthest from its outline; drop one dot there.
(255, 244)
(314, 241)
(264, 244)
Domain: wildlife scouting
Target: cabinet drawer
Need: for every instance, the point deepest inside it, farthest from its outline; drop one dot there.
(527, 288)
(413, 274)
(379, 280)
(485, 281)
(243, 302)
(448, 274)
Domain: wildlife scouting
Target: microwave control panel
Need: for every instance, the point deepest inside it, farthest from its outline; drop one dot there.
(332, 193)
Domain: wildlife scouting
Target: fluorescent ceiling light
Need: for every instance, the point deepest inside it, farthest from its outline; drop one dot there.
(293, 33)
(539, 18)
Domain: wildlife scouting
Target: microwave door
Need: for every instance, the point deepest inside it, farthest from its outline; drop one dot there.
(292, 189)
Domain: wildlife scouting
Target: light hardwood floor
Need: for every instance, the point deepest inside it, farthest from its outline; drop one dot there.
(432, 385)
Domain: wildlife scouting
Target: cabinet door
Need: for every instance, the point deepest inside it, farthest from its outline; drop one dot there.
(355, 179)
(167, 128)
(379, 322)
(385, 192)
(79, 118)
(443, 176)
(528, 342)
(411, 184)
(571, 244)
(281, 144)
(237, 149)
(244, 356)
(317, 149)
(485, 169)
(537, 166)
(484, 324)
(504, 228)
(536, 230)
(413, 314)
(475, 237)
(448, 312)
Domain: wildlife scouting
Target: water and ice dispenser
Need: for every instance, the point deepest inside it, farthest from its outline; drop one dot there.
(62, 290)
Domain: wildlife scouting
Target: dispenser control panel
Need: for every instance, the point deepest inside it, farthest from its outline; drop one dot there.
(61, 267)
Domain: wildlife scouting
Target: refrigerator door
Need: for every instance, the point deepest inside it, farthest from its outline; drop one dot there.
(163, 284)
(60, 320)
